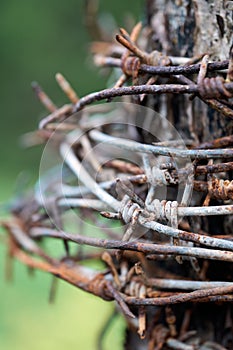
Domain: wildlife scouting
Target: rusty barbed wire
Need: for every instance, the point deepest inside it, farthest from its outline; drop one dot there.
(152, 229)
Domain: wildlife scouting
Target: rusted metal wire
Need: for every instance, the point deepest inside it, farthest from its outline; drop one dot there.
(157, 150)
(164, 70)
(148, 248)
(153, 228)
(142, 89)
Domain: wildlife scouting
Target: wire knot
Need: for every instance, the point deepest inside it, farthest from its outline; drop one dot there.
(129, 209)
(220, 189)
(164, 211)
(131, 65)
(213, 88)
(162, 177)
(156, 58)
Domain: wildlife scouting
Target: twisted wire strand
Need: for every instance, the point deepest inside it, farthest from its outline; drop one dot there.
(135, 146)
(213, 88)
(220, 189)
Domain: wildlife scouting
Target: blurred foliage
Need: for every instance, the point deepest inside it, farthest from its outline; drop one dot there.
(38, 39)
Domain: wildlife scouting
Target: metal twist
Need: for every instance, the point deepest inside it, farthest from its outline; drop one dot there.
(164, 211)
(210, 88)
(130, 66)
(220, 189)
(129, 209)
(156, 58)
(136, 289)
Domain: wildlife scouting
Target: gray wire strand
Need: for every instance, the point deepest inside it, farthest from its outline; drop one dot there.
(134, 146)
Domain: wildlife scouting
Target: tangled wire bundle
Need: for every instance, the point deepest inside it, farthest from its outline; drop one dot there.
(168, 265)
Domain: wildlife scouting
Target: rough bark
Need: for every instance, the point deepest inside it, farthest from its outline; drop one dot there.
(191, 28)
(187, 29)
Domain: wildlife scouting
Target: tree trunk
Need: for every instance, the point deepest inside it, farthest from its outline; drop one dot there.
(186, 29)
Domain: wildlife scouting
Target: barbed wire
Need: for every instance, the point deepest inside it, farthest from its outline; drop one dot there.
(151, 228)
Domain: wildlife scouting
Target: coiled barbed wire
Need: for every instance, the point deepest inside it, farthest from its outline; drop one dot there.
(139, 206)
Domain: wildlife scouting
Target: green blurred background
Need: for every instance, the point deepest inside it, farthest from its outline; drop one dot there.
(38, 39)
